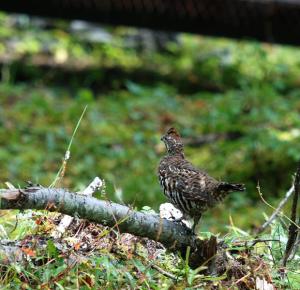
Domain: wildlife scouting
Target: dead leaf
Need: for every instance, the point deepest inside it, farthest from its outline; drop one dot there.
(29, 252)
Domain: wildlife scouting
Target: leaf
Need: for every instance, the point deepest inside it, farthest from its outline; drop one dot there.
(28, 251)
(52, 250)
(77, 246)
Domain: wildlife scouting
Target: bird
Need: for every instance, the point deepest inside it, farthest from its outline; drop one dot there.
(189, 189)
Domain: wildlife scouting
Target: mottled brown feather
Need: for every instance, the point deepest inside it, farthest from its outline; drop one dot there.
(188, 188)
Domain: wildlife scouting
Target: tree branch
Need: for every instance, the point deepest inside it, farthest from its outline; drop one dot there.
(277, 211)
(173, 235)
(293, 229)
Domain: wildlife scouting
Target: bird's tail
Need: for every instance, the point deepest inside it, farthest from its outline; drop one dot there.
(225, 186)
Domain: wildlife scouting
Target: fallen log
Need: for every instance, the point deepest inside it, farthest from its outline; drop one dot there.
(174, 236)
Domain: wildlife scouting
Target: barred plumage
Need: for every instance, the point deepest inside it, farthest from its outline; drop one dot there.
(189, 189)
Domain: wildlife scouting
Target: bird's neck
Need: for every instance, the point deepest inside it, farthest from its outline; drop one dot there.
(179, 154)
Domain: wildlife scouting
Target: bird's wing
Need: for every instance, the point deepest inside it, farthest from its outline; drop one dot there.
(194, 184)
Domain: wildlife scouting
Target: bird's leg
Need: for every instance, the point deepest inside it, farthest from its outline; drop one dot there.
(196, 221)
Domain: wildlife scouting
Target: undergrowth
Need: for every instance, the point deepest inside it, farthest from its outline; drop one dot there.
(90, 256)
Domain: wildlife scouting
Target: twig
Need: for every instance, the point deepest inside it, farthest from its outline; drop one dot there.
(63, 225)
(256, 241)
(95, 185)
(277, 210)
(247, 275)
(61, 172)
(296, 246)
(253, 242)
(59, 276)
(293, 228)
(16, 224)
(165, 273)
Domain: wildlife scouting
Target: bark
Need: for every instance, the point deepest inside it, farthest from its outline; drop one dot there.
(294, 227)
(172, 235)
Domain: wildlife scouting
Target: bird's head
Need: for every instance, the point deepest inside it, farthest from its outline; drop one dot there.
(173, 142)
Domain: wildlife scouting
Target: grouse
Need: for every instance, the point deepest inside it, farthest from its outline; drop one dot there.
(189, 189)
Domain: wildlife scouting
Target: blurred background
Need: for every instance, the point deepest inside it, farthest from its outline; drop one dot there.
(236, 104)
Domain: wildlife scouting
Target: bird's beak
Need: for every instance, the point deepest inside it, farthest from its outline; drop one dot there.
(162, 138)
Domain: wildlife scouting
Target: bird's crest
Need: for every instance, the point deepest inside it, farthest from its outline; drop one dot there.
(173, 132)
(173, 142)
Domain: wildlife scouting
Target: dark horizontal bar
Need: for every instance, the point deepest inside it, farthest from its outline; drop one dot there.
(275, 21)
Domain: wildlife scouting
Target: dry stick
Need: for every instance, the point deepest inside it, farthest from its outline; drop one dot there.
(247, 275)
(277, 210)
(293, 229)
(164, 272)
